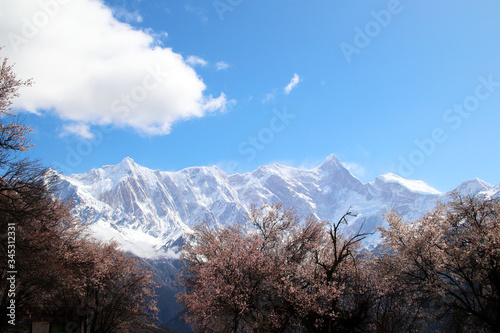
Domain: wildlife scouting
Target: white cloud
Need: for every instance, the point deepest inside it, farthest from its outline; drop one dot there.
(135, 241)
(127, 16)
(159, 37)
(219, 103)
(269, 97)
(89, 68)
(196, 61)
(295, 81)
(80, 130)
(221, 65)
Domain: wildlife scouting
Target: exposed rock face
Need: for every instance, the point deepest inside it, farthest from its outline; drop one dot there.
(148, 210)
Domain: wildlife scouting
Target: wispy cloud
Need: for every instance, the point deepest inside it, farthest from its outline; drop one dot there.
(198, 11)
(269, 97)
(355, 169)
(196, 61)
(221, 104)
(159, 37)
(89, 68)
(80, 130)
(122, 13)
(293, 83)
(221, 65)
(135, 241)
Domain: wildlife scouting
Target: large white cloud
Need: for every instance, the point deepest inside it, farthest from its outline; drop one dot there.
(90, 68)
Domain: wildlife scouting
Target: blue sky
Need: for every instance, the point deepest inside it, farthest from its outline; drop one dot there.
(410, 87)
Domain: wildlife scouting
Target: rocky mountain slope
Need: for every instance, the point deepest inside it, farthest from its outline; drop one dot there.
(148, 211)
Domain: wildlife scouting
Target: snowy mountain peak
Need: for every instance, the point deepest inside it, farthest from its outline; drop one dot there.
(417, 186)
(147, 210)
(128, 164)
(473, 186)
(331, 163)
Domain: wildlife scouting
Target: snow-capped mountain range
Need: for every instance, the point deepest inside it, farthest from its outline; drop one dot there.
(148, 211)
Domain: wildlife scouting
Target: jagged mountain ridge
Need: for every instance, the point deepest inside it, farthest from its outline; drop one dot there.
(148, 210)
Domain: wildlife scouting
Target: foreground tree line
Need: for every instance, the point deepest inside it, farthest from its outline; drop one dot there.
(279, 274)
(50, 267)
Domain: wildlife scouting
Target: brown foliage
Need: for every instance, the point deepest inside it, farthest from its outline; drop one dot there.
(61, 271)
(115, 291)
(448, 264)
(277, 274)
(273, 274)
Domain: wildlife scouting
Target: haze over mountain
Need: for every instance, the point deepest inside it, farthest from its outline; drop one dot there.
(148, 211)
